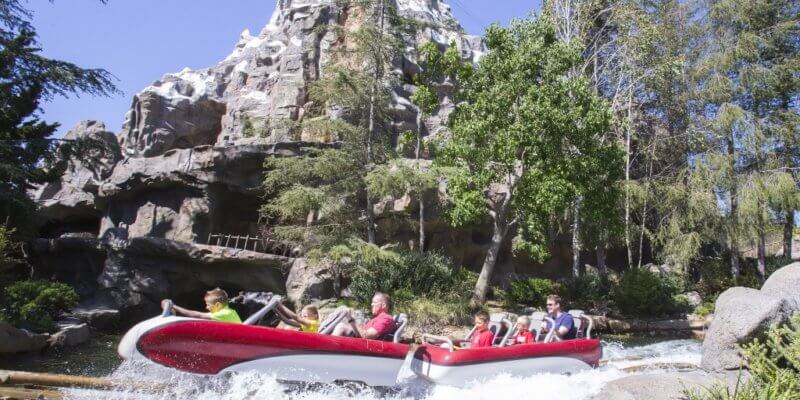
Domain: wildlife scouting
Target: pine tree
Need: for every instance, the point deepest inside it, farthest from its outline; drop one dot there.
(745, 78)
(329, 198)
(28, 153)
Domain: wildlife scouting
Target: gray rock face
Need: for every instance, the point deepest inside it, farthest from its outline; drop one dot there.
(740, 315)
(263, 84)
(307, 282)
(663, 386)
(785, 283)
(98, 316)
(142, 271)
(189, 162)
(71, 335)
(13, 340)
(180, 111)
(73, 197)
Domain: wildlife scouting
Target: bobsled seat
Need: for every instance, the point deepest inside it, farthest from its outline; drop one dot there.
(400, 322)
(502, 328)
(537, 317)
(583, 324)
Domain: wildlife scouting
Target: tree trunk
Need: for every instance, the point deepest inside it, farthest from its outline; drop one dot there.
(482, 287)
(627, 184)
(762, 256)
(576, 242)
(788, 231)
(418, 155)
(370, 134)
(601, 259)
(370, 210)
(734, 216)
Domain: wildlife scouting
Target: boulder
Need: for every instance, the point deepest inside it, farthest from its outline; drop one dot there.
(663, 386)
(70, 335)
(98, 312)
(785, 283)
(310, 281)
(741, 314)
(13, 340)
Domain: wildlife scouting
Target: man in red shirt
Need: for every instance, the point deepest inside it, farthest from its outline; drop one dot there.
(482, 337)
(381, 324)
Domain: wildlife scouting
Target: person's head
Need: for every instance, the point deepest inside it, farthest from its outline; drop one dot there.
(524, 323)
(309, 312)
(215, 299)
(481, 321)
(381, 303)
(553, 303)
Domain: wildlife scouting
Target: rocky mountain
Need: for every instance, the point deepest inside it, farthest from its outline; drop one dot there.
(181, 183)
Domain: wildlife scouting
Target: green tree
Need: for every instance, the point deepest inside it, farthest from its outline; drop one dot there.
(322, 197)
(524, 140)
(437, 70)
(28, 153)
(745, 80)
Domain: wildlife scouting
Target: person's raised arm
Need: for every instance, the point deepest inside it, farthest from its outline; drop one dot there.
(190, 313)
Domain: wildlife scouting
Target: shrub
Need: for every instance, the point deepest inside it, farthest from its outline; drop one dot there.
(774, 367)
(590, 292)
(714, 278)
(33, 304)
(6, 247)
(530, 292)
(704, 309)
(644, 293)
(430, 314)
(406, 275)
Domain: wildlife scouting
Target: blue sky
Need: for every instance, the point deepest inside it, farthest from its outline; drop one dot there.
(139, 41)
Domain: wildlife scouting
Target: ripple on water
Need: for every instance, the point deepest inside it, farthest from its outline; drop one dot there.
(580, 386)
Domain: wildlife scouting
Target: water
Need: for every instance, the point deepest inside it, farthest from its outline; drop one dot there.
(581, 386)
(98, 357)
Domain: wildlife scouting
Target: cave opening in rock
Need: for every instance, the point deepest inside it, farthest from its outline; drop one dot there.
(232, 213)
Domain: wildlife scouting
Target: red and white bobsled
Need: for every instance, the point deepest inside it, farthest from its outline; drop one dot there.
(447, 364)
(210, 347)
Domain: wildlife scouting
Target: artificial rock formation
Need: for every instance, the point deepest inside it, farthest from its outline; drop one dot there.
(137, 225)
(71, 202)
(133, 226)
(742, 314)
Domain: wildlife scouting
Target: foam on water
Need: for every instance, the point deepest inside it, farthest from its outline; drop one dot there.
(581, 386)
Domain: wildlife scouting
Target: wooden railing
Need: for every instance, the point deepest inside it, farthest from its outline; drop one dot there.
(252, 243)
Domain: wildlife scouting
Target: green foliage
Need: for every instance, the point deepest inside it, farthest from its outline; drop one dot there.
(530, 292)
(773, 365)
(431, 313)
(644, 293)
(27, 78)
(525, 138)
(705, 309)
(322, 183)
(34, 304)
(404, 274)
(590, 292)
(6, 245)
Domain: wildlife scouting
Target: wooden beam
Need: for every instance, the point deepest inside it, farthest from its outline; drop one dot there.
(20, 393)
(8, 377)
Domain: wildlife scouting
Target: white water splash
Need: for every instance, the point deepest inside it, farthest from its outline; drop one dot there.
(580, 386)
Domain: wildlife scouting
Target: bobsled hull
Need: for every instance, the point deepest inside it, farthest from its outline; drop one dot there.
(458, 367)
(210, 347)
